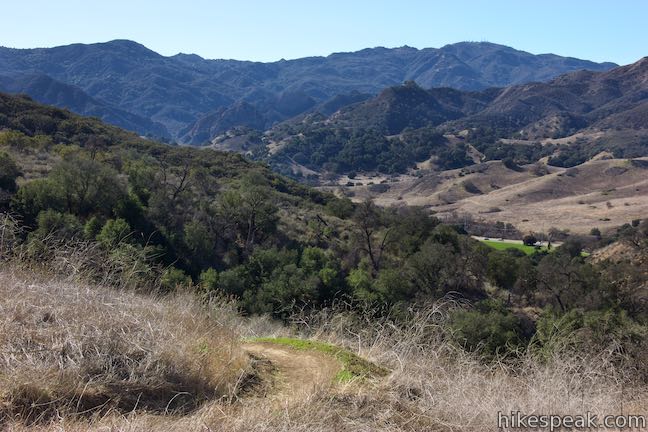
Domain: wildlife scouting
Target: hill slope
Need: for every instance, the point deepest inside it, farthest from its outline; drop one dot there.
(599, 193)
(569, 119)
(617, 98)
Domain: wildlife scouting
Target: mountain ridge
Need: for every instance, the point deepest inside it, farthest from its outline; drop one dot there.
(569, 120)
(183, 90)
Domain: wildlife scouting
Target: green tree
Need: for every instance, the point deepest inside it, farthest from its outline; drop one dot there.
(200, 241)
(36, 196)
(392, 286)
(142, 179)
(527, 279)
(235, 281)
(173, 278)
(340, 207)
(570, 282)
(572, 247)
(249, 214)
(502, 269)
(92, 228)
(529, 240)
(440, 268)
(316, 262)
(209, 280)
(361, 285)
(489, 328)
(373, 236)
(57, 226)
(87, 186)
(288, 286)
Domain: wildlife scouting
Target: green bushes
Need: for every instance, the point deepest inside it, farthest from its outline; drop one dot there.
(36, 196)
(9, 172)
(173, 278)
(209, 280)
(341, 208)
(57, 225)
(273, 280)
(503, 269)
(587, 330)
(87, 186)
(489, 328)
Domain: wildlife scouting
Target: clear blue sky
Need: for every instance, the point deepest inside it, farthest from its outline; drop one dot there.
(274, 29)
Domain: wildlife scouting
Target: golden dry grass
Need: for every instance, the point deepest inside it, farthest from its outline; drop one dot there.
(602, 193)
(68, 339)
(67, 349)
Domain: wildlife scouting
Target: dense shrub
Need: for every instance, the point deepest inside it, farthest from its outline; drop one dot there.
(489, 328)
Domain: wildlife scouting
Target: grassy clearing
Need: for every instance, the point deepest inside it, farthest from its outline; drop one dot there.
(353, 366)
(529, 250)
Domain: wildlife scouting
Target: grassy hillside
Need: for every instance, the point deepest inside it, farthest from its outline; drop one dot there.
(69, 348)
(139, 362)
(134, 276)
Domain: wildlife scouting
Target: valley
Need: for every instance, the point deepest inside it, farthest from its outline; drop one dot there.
(603, 193)
(385, 239)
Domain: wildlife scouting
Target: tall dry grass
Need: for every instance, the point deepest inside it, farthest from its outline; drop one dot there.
(69, 349)
(433, 385)
(78, 356)
(436, 385)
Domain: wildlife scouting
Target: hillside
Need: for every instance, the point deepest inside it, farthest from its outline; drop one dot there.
(145, 286)
(564, 105)
(52, 92)
(603, 193)
(410, 106)
(58, 163)
(187, 94)
(568, 120)
(141, 362)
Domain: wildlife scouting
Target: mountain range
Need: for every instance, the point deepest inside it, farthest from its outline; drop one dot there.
(616, 98)
(188, 99)
(568, 119)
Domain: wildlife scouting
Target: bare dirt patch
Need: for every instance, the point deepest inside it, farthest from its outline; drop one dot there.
(297, 374)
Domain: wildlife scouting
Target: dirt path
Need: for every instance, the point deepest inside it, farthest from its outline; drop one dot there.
(297, 373)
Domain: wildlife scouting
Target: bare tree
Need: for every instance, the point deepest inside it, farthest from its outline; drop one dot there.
(374, 241)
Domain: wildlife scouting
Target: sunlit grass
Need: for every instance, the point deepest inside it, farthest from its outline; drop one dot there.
(529, 250)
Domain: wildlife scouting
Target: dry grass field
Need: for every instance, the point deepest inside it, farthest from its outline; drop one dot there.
(77, 357)
(70, 349)
(602, 193)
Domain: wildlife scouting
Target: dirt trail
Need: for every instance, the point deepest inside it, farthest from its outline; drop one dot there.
(298, 373)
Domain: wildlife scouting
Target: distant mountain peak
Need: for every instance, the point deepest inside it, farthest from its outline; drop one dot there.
(129, 46)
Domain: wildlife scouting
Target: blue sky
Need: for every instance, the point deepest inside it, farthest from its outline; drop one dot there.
(270, 30)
